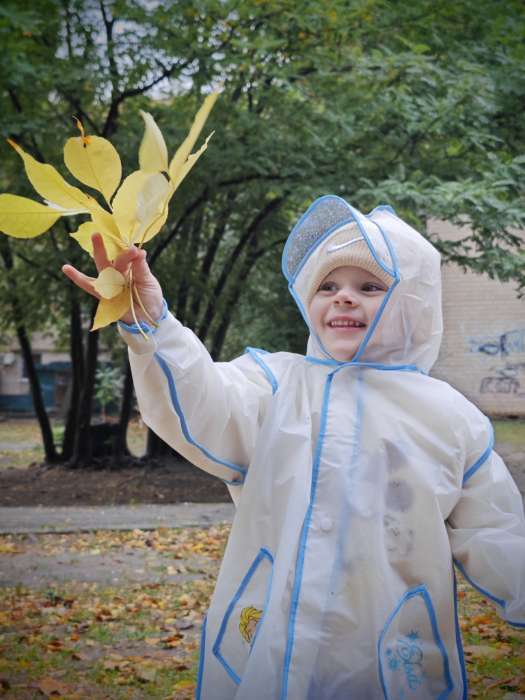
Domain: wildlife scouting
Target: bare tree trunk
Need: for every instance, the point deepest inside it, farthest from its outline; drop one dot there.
(25, 347)
(83, 445)
(120, 447)
(36, 394)
(77, 377)
(156, 447)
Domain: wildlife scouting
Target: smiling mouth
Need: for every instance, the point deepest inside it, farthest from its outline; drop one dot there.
(346, 324)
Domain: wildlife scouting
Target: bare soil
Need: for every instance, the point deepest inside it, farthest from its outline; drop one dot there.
(172, 482)
(156, 482)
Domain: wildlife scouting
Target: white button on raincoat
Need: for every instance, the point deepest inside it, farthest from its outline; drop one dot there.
(357, 486)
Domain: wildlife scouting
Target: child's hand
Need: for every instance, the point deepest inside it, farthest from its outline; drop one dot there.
(145, 283)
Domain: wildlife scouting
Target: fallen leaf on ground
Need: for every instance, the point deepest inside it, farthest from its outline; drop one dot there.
(53, 688)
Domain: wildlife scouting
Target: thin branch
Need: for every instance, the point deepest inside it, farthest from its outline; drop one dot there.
(79, 112)
(251, 231)
(175, 230)
(113, 70)
(37, 266)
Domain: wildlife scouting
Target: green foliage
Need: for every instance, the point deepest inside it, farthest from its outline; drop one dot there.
(415, 105)
(108, 386)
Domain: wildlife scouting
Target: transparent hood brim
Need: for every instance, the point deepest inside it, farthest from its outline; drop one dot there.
(326, 215)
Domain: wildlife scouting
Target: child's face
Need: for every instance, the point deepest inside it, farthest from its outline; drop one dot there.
(343, 308)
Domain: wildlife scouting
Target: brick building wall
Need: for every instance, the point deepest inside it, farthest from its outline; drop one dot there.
(483, 349)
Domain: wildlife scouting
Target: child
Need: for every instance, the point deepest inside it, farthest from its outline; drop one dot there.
(358, 479)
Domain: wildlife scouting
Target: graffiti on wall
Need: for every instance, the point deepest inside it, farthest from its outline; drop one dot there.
(503, 345)
(510, 377)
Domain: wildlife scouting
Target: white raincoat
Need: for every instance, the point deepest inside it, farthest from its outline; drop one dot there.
(357, 486)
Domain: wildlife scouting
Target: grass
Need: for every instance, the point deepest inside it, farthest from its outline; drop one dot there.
(25, 434)
(123, 642)
(125, 657)
(511, 432)
(24, 442)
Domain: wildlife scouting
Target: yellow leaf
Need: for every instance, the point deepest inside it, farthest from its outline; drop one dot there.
(125, 203)
(50, 184)
(83, 237)
(188, 165)
(110, 283)
(153, 154)
(110, 310)
(23, 218)
(62, 211)
(95, 162)
(107, 222)
(154, 227)
(184, 149)
(152, 204)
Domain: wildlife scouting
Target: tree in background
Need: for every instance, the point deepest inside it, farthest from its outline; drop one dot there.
(415, 106)
(108, 387)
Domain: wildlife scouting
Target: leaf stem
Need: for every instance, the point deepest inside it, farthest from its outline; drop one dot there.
(150, 319)
(133, 306)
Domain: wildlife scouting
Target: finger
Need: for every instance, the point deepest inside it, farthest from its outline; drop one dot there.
(99, 252)
(80, 279)
(123, 261)
(141, 271)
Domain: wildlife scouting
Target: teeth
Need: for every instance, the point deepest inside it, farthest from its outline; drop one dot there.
(343, 324)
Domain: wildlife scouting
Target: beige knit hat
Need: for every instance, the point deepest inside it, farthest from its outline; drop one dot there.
(346, 246)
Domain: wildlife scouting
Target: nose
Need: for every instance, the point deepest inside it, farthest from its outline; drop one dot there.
(345, 295)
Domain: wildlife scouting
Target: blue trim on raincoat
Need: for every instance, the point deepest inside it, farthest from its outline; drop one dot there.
(216, 649)
(474, 468)
(184, 426)
(201, 660)
(255, 355)
(459, 643)
(370, 365)
(499, 601)
(134, 328)
(422, 591)
(299, 565)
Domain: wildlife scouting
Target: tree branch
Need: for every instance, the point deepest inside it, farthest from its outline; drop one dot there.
(35, 265)
(251, 231)
(175, 230)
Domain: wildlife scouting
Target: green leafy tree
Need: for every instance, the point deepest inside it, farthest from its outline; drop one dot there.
(415, 105)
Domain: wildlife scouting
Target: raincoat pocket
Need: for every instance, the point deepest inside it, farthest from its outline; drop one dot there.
(244, 616)
(413, 661)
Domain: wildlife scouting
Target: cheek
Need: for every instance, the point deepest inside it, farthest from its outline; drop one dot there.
(315, 312)
(376, 307)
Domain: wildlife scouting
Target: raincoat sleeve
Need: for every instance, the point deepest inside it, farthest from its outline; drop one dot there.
(487, 532)
(207, 411)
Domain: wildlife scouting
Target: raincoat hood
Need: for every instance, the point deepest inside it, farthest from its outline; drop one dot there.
(408, 326)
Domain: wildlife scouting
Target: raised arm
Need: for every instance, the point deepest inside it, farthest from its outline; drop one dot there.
(209, 412)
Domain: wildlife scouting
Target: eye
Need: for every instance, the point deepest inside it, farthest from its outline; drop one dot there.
(372, 287)
(327, 287)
